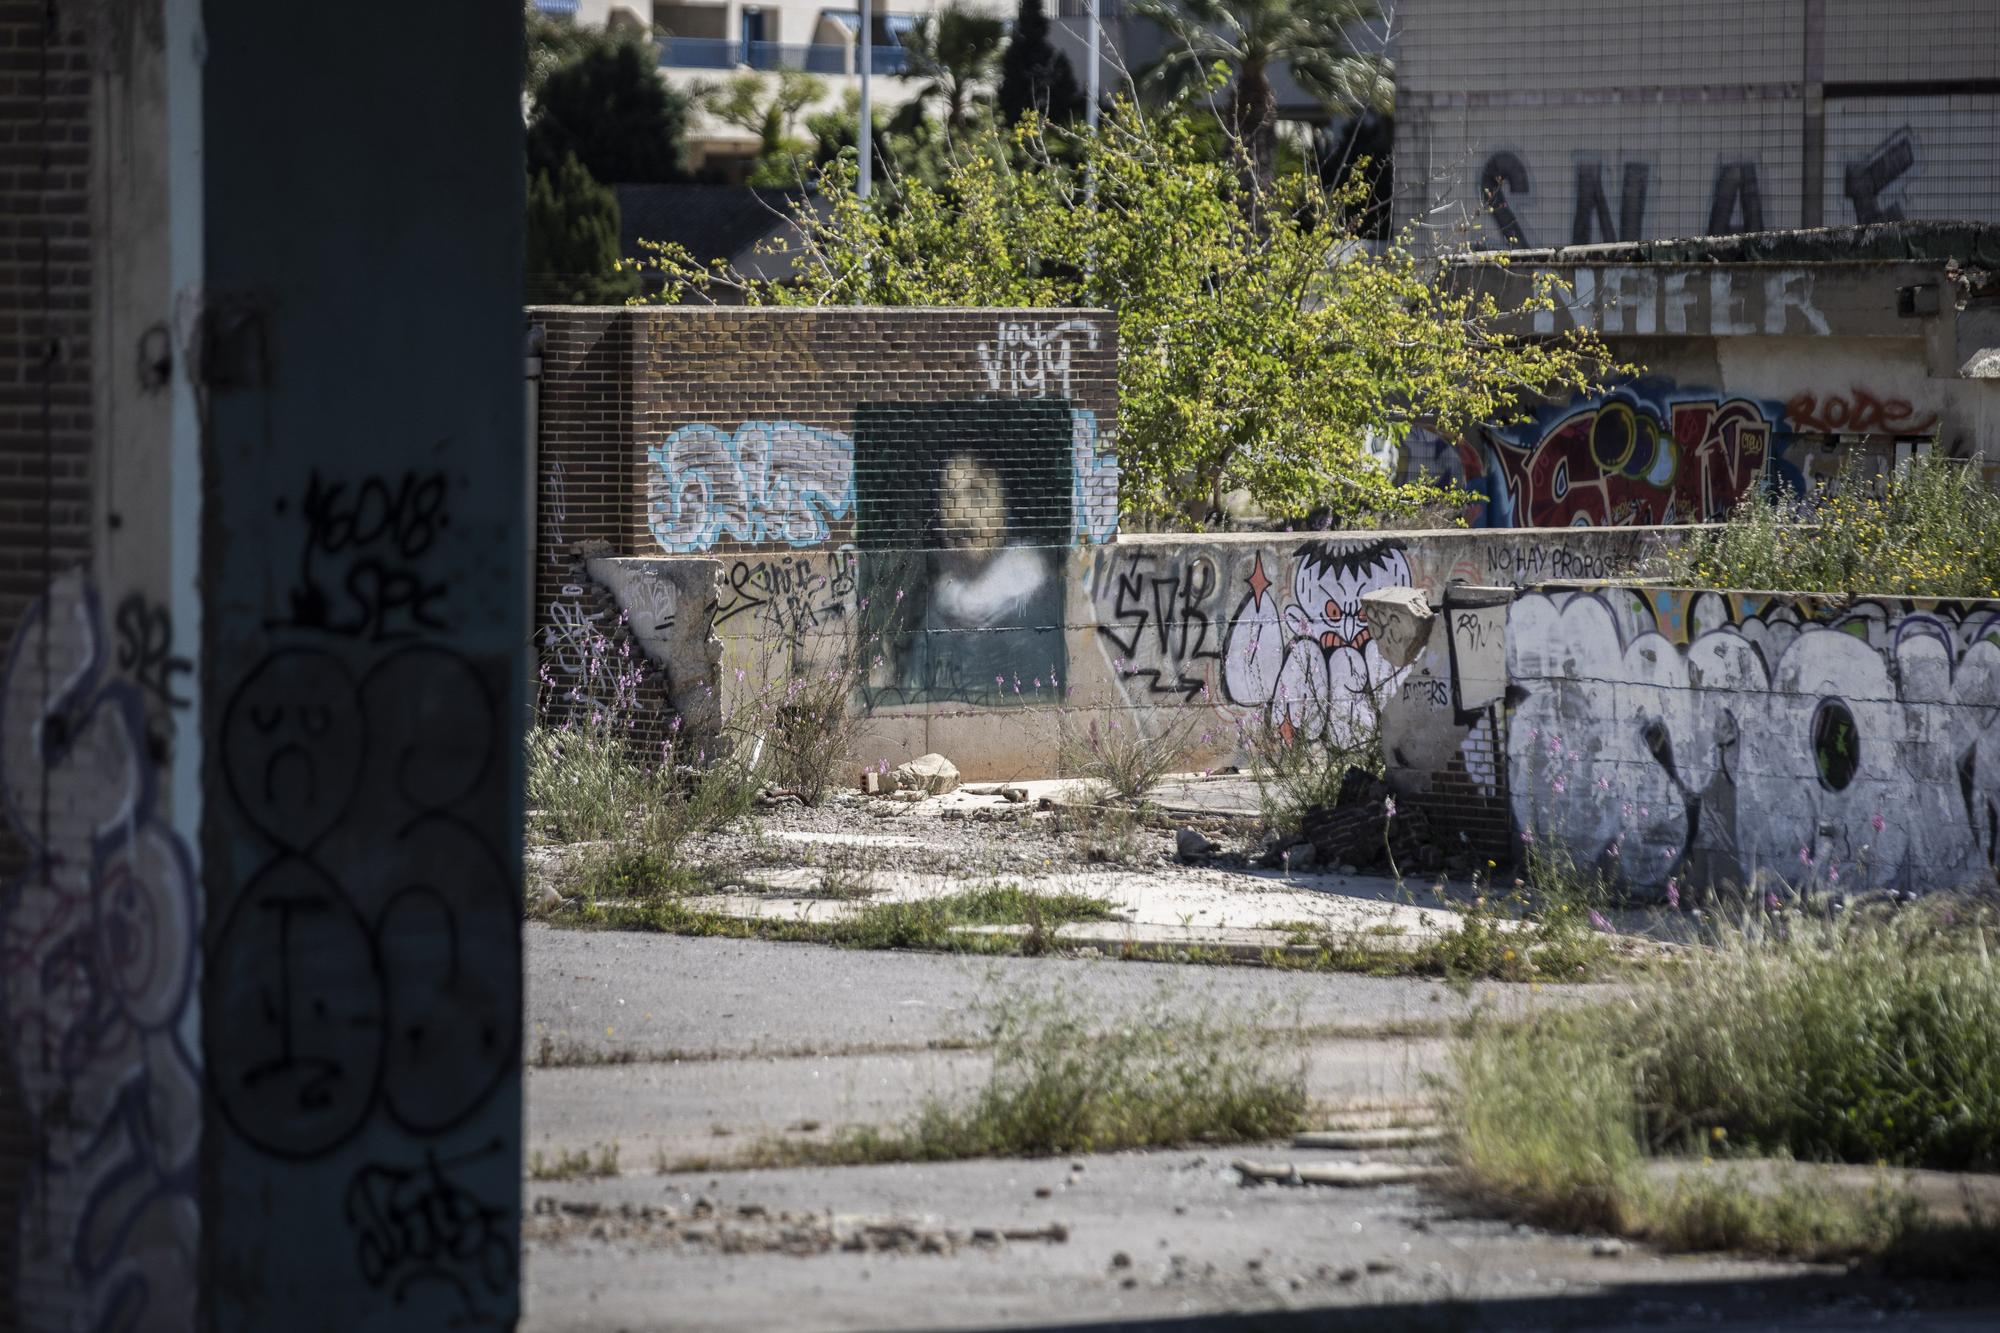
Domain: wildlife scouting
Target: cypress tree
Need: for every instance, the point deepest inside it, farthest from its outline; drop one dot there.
(1033, 74)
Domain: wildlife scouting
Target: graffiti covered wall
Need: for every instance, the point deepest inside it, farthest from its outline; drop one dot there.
(1709, 736)
(831, 460)
(1673, 447)
(1210, 636)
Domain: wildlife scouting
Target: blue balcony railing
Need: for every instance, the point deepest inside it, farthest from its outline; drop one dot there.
(815, 58)
(699, 53)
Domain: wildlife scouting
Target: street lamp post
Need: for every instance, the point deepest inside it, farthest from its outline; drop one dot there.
(867, 119)
(1090, 111)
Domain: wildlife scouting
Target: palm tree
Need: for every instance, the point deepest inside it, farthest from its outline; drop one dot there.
(1253, 36)
(954, 50)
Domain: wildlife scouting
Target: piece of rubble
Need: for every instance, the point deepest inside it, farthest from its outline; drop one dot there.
(931, 773)
(1407, 1136)
(874, 783)
(1399, 622)
(1345, 1175)
(1189, 844)
(1300, 857)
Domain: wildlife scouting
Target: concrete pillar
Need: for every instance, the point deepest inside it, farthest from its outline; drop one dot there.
(362, 576)
(262, 686)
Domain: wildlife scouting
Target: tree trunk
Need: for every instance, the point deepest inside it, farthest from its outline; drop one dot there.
(1254, 109)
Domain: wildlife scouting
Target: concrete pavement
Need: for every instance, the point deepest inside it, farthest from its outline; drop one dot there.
(654, 1042)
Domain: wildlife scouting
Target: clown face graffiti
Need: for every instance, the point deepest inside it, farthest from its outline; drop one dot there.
(1309, 660)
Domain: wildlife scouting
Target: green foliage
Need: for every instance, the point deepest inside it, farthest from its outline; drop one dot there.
(1873, 1041)
(612, 110)
(769, 109)
(1253, 38)
(1258, 345)
(953, 51)
(1931, 529)
(572, 242)
(1036, 81)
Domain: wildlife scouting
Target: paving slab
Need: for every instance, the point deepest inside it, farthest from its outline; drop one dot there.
(1160, 1240)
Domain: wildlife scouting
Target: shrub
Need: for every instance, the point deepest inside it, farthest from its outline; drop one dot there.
(1866, 1042)
(1931, 529)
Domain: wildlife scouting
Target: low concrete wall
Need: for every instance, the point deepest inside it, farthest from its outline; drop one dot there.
(1704, 737)
(992, 656)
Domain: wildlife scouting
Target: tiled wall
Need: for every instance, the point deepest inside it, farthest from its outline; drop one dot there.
(1580, 121)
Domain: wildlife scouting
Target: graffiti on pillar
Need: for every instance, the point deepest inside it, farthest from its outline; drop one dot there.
(363, 961)
(765, 481)
(98, 960)
(1299, 646)
(361, 566)
(1720, 735)
(1646, 452)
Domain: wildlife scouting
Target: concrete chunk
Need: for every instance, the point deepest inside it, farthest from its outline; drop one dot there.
(930, 773)
(1399, 622)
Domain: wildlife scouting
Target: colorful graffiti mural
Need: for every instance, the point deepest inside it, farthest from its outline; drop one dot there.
(1711, 736)
(1646, 452)
(1301, 650)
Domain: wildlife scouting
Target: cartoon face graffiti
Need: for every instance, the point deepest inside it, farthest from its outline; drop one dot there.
(1310, 660)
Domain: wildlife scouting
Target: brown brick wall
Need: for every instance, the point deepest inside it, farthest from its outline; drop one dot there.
(769, 432)
(45, 414)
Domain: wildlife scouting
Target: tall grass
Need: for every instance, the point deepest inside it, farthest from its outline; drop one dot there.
(1176, 1072)
(1931, 529)
(1876, 1042)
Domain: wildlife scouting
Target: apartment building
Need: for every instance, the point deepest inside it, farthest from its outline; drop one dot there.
(707, 43)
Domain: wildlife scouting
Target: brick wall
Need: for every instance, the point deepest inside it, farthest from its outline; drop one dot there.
(45, 418)
(774, 438)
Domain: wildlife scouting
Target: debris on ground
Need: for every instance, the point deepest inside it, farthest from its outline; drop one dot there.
(1190, 845)
(754, 1229)
(931, 774)
(1345, 1175)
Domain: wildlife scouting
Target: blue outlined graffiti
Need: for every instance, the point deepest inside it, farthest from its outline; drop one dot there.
(1094, 486)
(767, 481)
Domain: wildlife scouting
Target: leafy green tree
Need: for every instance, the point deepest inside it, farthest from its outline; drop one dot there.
(769, 110)
(611, 109)
(1035, 78)
(1258, 348)
(1253, 37)
(572, 254)
(954, 52)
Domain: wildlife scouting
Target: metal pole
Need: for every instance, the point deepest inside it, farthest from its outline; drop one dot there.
(867, 122)
(1090, 111)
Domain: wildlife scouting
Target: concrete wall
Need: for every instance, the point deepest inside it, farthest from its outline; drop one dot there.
(1560, 124)
(1710, 737)
(1716, 735)
(992, 656)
